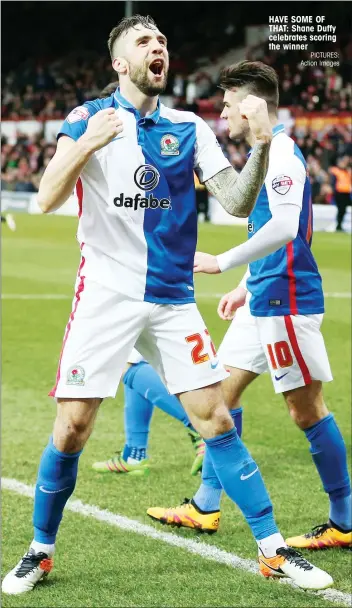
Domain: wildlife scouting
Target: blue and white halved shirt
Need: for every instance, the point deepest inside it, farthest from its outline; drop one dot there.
(138, 219)
(286, 282)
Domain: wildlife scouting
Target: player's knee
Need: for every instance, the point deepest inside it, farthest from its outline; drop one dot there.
(73, 425)
(221, 421)
(70, 435)
(306, 404)
(305, 418)
(213, 421)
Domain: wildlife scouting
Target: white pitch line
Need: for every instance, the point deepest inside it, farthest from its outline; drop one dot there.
(61, 296)
(199, 548)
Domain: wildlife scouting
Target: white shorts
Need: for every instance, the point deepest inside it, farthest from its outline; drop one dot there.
(103, 328)
(290, 347)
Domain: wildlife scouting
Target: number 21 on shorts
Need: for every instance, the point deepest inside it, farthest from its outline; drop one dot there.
(280, 354)
(198, 355)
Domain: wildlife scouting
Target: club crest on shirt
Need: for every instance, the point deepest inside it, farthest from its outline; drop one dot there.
(80, 113)
(169, 145)
(75, 375)
(281, 184)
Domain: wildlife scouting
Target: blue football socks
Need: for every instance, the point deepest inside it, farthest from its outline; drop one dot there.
(144, 379)
(144, 390)
(236, 415)
(240, 477)
(329, 454)
(138, 413)
(207, 497)
(138, 453)
(56, 481)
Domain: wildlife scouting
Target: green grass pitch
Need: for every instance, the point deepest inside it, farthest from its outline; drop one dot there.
(96, 564)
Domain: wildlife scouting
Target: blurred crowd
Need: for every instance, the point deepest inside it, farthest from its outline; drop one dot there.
(22, 164)
(312, 88)
(322, 149)
(51, 90)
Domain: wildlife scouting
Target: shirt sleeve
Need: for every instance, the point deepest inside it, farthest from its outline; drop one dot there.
(278, 231)
(285, 181)
(209, 158)
(76, 123)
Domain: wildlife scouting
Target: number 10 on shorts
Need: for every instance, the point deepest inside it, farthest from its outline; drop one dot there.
(280, 354)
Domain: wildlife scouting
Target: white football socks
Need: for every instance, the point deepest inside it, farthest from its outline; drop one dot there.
(132, 460)
(269, 544)
(43, 548)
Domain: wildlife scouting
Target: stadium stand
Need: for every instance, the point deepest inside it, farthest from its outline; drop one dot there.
(48, 89)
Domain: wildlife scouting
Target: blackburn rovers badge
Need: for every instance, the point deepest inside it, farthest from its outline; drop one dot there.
(75, 375)
(169, 145)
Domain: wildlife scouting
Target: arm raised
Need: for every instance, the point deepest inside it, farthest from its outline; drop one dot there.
(62, 173)
(238, 192)
(71, 156)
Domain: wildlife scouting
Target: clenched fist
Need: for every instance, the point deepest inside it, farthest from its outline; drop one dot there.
(102, 128)
(255, 110)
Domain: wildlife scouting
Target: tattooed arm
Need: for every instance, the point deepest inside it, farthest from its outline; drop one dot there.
(237, 192)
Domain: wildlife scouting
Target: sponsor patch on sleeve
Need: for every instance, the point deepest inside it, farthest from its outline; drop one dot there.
(281, 184)
(79, 113)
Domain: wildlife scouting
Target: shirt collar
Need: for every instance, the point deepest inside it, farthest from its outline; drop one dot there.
(130, 108)
(275, 131)
(278, 129)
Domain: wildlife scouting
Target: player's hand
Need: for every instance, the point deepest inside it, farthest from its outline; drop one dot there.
(102, 128)
(205, 262)
(230, 302)
(255, 110)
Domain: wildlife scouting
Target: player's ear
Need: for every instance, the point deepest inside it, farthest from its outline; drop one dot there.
(120, 65)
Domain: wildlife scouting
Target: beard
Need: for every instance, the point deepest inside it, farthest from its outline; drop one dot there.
(240, 131)
(141, 79)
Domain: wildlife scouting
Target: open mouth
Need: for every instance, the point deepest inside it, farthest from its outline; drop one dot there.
(156, 67)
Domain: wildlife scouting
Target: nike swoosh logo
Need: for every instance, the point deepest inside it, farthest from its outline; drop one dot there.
(243, 477)
(52, 491)
(214, 365)
(280, 377)
(277, 570)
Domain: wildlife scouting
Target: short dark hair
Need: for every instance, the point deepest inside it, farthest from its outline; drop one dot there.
(261, 80)
(109, 89)
(126, 24)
